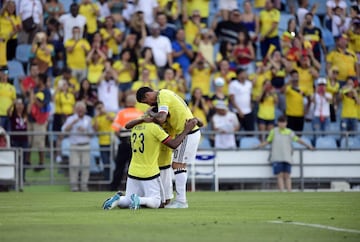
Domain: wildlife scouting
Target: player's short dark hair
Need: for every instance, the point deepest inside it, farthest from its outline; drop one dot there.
(282, 119)
(140, 94)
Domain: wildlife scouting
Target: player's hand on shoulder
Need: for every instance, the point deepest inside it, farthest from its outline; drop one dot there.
(190, 124)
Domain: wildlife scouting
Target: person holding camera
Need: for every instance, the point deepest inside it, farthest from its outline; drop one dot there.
(42, 53)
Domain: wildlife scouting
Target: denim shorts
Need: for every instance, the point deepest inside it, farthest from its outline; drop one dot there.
(281, 166)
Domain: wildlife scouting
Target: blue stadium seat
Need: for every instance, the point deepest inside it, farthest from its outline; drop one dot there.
(328, 39)
(350, 143)
(284, 19)
(65, 147)
(23, 53)
(249, 142)
(317, 22)
(296, 145)
(67, 4)
(335, 127)
(325, 142)
(321, 9)
(16, 71)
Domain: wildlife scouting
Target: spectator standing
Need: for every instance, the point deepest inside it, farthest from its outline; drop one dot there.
(173, 82)
(313, 34)
(108, 91)
(91, 12)
(29, 82)
(182, 53)
(350, 102)
(267, 104)
(240, 100)
(39, 111)
(166, 29)
(161, 47)
(294, 96)
(321, 99)
(53, 9)
(79, 127)
(102, 123)
(149, 8)
(66, 75)
(76, 51)
(10, 25)
(225, 8)
(269, 25)
(227, 30)
(123, 155)
(87, 95)
(281, 139)
(192, 28)
(31, 9)
(70, 20)
(112, 36)
(225, 73)
(225, 123)
(344, 59)
(147, 62)
(7, 98)
(333, 86)
(205, 41)
(43, 53)
(251, 22)
(95, 60)
(244, 53)
(200, 71)
(303, 10)
(198, 106)
(18, 123)
(64, 102)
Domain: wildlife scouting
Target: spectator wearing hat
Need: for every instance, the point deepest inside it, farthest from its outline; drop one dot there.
(240, 100)
(321, 99)
(225, 123)
(332, 87)
(345, 60)
(225, 8)
(7, 97)
(161, 47)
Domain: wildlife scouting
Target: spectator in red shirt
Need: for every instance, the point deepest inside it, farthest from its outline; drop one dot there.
(29, 82)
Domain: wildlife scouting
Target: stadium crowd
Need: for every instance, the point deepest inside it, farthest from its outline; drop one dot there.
(225, 58)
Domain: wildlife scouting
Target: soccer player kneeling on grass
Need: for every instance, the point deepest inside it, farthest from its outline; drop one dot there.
(143, 185)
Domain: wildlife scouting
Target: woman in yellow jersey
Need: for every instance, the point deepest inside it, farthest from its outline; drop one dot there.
(147, 61)
(96, 65)
(125, 71)
(267, 103)
(64, 102)
(350, 103)
(43, 53)
(198, 106)
(112, 37)
(10, 25)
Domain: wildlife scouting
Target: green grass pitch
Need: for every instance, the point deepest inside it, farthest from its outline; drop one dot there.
(56, 215)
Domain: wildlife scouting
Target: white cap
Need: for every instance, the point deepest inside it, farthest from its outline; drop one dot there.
(219, 82)
(321, 80)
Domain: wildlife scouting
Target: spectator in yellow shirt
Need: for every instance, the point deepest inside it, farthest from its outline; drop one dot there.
(225, 73)
(64, 102)
(147, 61)
(7, 97)
(96, 65)
(10, 25)
(173, 82)
(198, 105)
(269, 25)
(350, 103)
(66, 75)
(91, 12)
(43, 53)
(200, 71)
(202, 6)
(112, 36)
(76, 51)
(102, 123)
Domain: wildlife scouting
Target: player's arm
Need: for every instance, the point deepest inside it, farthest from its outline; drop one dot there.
(174, 143)
(133, 123)
(160, 117)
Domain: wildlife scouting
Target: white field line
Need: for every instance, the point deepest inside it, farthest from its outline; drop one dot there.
(320, 226)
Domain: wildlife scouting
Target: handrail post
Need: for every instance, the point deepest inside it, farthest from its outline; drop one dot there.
(301, 170)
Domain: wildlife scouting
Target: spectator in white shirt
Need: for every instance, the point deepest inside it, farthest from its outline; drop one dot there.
(108, 91)
(70, 20)
(225, 123)
(80, 128)
(34, 9)
(161, 48)
(240, 99)
(321, 100)
(149, 8)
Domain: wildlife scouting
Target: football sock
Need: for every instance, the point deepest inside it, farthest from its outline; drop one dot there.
(180, 184)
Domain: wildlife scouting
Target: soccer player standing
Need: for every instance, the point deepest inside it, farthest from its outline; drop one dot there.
(174, 110)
